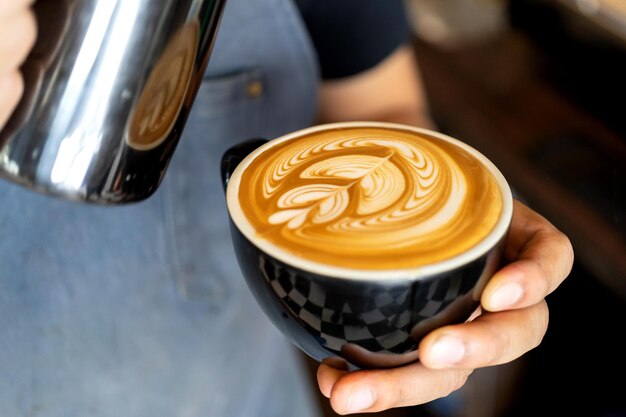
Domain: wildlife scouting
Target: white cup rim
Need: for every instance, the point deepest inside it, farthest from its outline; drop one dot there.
(413, 274)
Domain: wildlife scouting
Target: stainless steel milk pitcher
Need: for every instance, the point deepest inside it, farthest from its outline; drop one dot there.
(109, 86)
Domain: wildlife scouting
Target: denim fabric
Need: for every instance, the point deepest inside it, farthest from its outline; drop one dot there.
(141, 310)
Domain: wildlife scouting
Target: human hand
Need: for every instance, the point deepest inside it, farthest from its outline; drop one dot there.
(18, 31)
(512, 320)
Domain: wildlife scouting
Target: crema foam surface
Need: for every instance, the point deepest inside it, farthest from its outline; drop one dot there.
(370, 198)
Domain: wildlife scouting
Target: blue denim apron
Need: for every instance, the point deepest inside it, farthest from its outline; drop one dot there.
(141, 311)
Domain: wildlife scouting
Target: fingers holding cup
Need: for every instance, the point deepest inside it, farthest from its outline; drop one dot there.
(540, 256)
(447, 357)
(490, 339)
(382, 389)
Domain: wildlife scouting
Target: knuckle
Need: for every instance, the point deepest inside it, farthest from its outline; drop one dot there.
(407, 392)
(544, 284)
(404, 394)
(568, 252)
(554, 273)
(400, 394)
(562, 241)
(536, 278)
(391, 393)
(504, 344)
(559, 238)
(543, 319)
(455, 381)
(503, 348)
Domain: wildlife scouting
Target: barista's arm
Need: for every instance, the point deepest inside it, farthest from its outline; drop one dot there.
(515, 314)
(390, 92)
(17, 36)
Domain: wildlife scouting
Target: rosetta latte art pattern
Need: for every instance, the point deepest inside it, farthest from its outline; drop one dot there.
(370, 198)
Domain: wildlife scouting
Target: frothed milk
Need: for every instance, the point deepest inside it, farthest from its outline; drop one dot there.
(366, 198)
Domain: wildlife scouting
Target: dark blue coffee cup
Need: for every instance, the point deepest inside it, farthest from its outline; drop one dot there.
(370, 320)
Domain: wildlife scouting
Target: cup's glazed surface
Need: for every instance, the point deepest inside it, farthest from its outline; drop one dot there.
(369, 318)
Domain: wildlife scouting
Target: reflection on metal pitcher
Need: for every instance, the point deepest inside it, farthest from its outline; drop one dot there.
(109, 86)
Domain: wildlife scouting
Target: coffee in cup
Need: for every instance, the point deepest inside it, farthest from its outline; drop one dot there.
(359, 238)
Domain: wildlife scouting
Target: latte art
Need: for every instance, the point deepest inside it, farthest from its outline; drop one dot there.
(163, 96)
(369, 198)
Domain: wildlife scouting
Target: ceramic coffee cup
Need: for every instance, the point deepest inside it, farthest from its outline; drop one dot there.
(357, 239)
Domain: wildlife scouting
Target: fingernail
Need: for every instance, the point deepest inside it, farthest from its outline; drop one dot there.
(361, 399)
(447, 350)
(506, 296)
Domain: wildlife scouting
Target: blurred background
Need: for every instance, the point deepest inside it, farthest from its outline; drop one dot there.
(539, 86)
